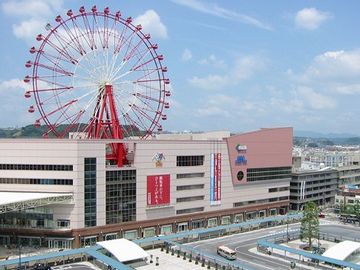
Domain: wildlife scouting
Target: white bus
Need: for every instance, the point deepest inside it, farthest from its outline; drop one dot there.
(226, 252)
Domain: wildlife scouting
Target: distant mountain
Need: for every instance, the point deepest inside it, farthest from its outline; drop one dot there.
(30, 131)
(312, 134)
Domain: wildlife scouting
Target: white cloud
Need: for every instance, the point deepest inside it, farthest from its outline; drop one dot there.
(243, 68)
(33, 14)
(29, 29)
(212, 60)
(350, 89)
(152, 24)
(335, 65)
(211, 82)
(12, 92)
(316, 100)
(218, 11)
(186, 55)
(31, 8)
(311, 18)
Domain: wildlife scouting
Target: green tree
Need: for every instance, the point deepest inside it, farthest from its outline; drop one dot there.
(309, 229)
(356, 208)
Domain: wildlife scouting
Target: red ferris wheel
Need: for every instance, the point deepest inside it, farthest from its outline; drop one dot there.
(98, 76)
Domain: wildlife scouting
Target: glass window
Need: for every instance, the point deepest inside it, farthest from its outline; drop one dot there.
(181, 227)
(131, 235)
(238, 218)
(225, 220)
(149, 232)
(189, 175)
(166, 229)
(212, 222)
(182, 161)
(190, 187)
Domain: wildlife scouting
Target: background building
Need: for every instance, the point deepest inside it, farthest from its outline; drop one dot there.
(319, 186)
(63, 193)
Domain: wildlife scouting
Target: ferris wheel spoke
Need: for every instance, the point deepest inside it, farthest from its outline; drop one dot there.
(52, 58)
(74, 38)
(84, 33)
(130, 70)
(143, 54)
(54, 69)
(55, 62)
(98, 30)
(121, 40)
(65, 43)
(141, 112)
(51, 89)
(148, 87)
(43, 79)
(142, 96)
(137, 123)
(62, 52)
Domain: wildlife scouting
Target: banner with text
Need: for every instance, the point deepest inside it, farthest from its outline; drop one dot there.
(215, 178)
(158, 190)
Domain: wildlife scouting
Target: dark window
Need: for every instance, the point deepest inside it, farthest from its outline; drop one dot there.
(90, 191)
(189, 175)
(189, 210)
(182, 161)
(189, 187)
(262, 174)
(120, 196)
(36, 181)
(190, 199)
(36, 167)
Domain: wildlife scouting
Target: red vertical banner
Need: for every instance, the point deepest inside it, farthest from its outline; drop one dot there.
(158, 189)
(216, 178)
(218, 158)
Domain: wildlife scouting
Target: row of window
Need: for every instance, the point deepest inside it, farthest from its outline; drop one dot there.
(190, 199)
(189, 210)
(278, 189)
(182, 161)
(262, 174)
(36, 167)
(189, 175)
(190, 187)
(35, 181)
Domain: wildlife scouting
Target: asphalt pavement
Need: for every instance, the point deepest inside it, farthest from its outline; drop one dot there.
(243, 242)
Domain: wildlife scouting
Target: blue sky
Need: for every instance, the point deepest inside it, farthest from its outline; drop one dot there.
(233, 65)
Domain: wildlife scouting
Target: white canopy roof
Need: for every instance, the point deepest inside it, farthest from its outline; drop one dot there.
(342, 250)
(124, 250)
(14, 201)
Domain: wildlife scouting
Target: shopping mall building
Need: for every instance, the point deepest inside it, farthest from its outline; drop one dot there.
(63, 193)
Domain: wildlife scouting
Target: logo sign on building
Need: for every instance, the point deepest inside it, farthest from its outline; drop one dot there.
(158, 190)
(215, 178)
(158, 158)
(241, 160)
(241, 148)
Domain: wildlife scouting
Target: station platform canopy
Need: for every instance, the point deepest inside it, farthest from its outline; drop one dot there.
(342, 250)
(16, 201)
(124, 250)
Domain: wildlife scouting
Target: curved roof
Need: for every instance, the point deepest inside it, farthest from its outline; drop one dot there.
(342, 250)
(124, 250)
(15, 201)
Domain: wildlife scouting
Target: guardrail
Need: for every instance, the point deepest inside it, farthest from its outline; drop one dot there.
(265, 244)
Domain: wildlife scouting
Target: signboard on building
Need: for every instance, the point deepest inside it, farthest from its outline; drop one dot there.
(158, 190)
(215, 178)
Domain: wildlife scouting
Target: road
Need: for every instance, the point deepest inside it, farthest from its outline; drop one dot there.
(244, 241)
